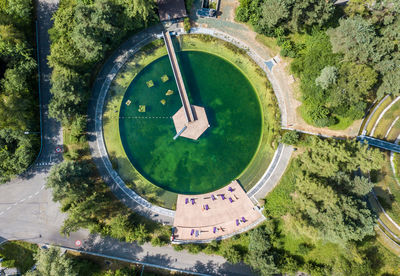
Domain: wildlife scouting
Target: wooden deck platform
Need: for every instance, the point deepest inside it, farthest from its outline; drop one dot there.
(194, 222)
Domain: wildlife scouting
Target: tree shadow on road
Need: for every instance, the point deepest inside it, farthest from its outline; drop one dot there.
(106, 245)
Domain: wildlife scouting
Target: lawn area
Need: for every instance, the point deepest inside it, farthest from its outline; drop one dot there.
(270, 43)
(257, 77)
(375, 116)
(342, 124)
(388, 192)
(386, 121)
(18, 254)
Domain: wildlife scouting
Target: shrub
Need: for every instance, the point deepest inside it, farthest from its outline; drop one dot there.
(186, 24)
(194, 248)
(177, 247)
(231, 254)
(290, 138)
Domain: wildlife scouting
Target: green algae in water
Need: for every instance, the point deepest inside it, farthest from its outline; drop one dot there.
(221, 153)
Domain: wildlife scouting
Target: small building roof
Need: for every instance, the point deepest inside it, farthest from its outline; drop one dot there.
(171, 9)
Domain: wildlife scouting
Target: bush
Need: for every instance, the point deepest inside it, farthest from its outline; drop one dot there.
(231, 254)
(194, 248)
(290, 137)
(186, 24)
(177, 247)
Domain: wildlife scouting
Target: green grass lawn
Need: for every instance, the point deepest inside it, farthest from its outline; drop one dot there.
(270, 43)
(342, 124)
(388, 191)
(386, 121)
(375, 116)
(18, 254)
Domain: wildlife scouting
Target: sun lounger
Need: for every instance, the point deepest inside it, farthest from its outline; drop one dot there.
(193, 201)
(231, 200)
(192, 232)
(197, 233)
(214, 230)
(237, 222)
(222, 196)
(207, 207)
(186, 201)
(213, 197)
(230, 189)
(243, 219)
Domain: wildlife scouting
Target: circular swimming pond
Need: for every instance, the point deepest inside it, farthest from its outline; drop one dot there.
(183, 165)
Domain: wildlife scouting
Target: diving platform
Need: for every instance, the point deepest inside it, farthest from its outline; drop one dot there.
(190, 120)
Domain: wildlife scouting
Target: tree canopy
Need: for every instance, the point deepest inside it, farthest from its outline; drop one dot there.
(18, 93)
(50, 262)
(292, 15)
(81, 35)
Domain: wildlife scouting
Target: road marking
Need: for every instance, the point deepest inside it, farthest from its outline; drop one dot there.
(42, 187)
(1, 213)
(22, 200)
(37, 193)
(9, 208)
(15, 203)
(29, 197)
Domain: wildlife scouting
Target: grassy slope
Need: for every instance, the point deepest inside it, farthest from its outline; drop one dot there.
(386, 122)
(375, 116)
(388, 192)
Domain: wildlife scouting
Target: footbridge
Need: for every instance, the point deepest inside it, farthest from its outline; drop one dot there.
(178, 77)
(190, 121)
(379, 143)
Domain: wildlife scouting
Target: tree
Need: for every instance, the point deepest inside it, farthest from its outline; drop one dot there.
(16, 152)
(357, 80)
(96, 28)
(358, 7)
(142, 9)
(49, 262)
(290, 137)
(293, 15)
(69, 181)
(327, 77)
(356, 39)
(231, 254)
(259, 256)
(336, 217)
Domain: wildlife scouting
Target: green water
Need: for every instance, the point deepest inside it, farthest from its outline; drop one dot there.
(186, 166)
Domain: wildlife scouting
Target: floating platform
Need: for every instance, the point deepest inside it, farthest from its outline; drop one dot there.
(195, 128)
